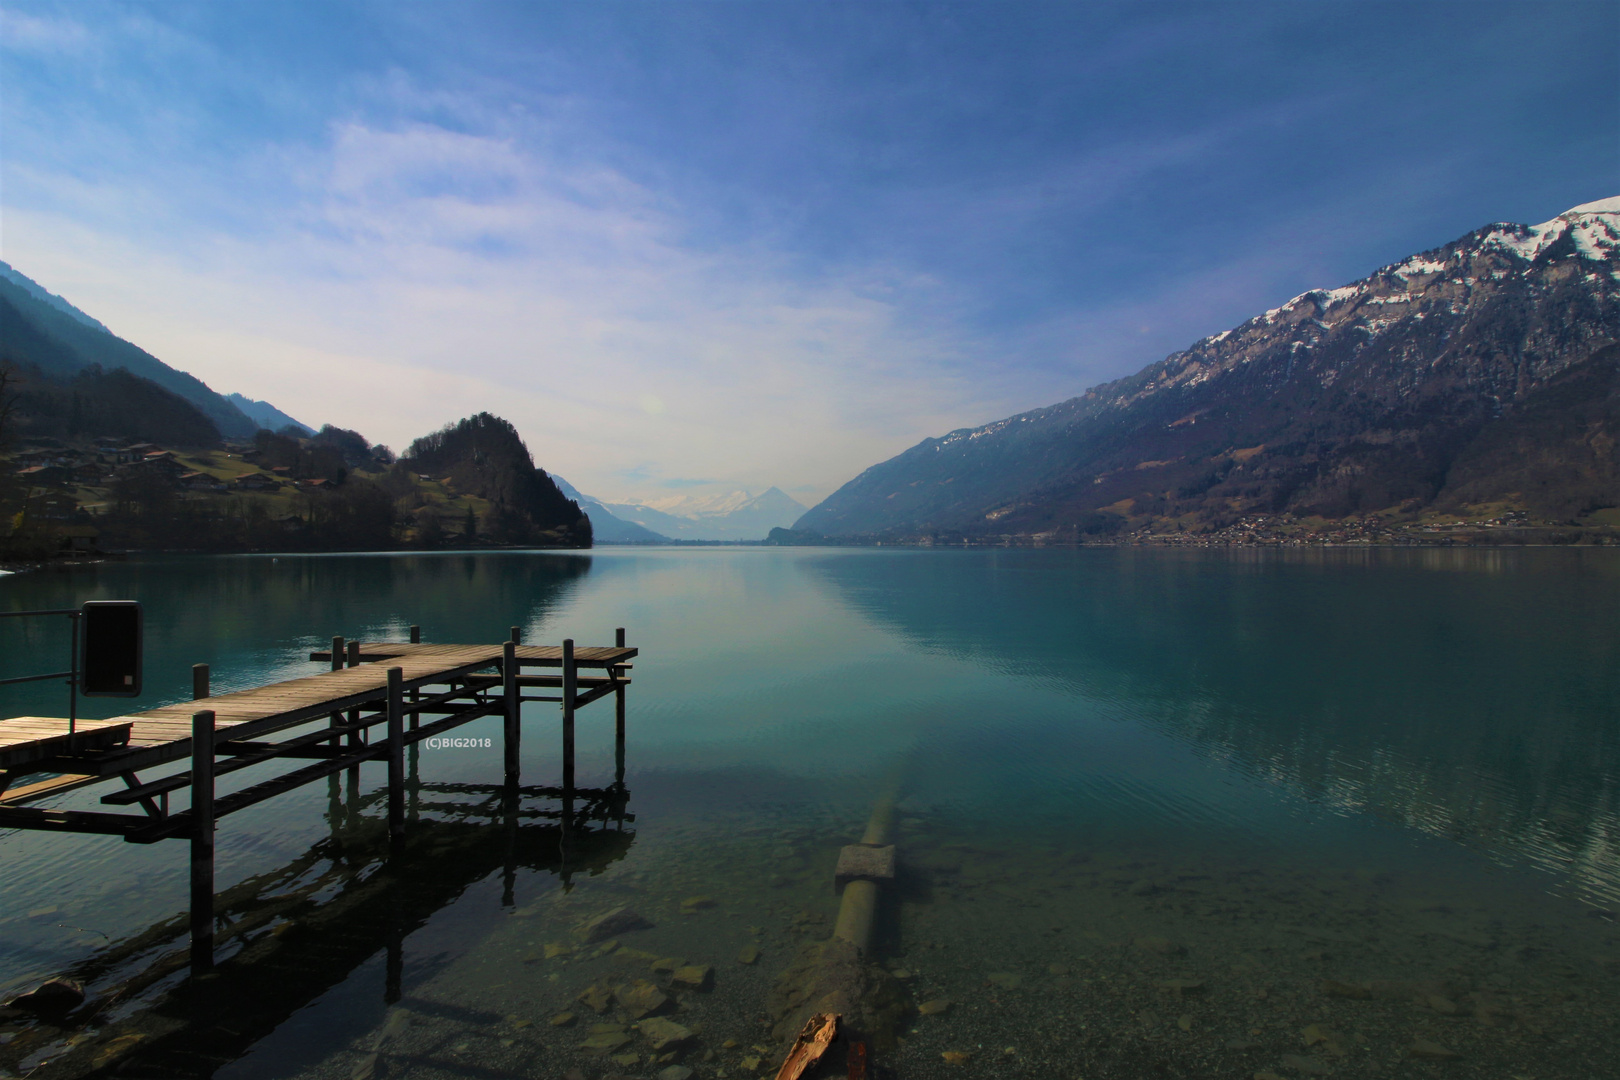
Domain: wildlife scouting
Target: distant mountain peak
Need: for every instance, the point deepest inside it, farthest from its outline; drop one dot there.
(266, 415)
(1601, 206)
(723, 504)
(730, 515)
(39, 292)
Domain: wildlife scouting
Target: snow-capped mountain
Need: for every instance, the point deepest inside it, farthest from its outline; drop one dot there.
(734, 515)
(1484, 370)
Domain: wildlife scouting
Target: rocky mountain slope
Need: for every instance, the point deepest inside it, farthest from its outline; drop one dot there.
(1480, 373)
(606, 528)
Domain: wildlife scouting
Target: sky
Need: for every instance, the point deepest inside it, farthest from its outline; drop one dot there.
(691, 247)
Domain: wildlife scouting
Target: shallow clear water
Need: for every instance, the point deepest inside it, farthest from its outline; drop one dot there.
(1272, 776)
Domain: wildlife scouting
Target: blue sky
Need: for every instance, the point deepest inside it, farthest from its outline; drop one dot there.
(690, 245)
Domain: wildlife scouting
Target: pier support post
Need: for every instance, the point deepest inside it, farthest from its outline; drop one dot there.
(618, 719)
(517, 635)
(396, 755)
(415, 752)
(202, 841)
(356, 740)
(570, 687)
(334, 783)
(199, 681)
(513, 704)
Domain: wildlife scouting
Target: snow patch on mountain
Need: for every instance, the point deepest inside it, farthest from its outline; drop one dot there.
(732, 515)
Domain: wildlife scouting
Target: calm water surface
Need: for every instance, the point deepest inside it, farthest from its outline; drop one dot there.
(1163, 813)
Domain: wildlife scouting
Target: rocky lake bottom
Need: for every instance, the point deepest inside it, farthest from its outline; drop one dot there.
(1043, 960)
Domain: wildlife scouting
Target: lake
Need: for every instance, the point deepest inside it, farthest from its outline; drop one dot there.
(1161, 812)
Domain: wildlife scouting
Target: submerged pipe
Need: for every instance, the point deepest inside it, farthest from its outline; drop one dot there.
(836, 977)
(857, 911)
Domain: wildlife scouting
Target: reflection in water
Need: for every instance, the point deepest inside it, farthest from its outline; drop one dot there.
(1167, 813)
(235, 612)
(292, 934)
(1469, 694)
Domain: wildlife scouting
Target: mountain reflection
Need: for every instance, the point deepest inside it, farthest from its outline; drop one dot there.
(227, 611)
(1469, 694)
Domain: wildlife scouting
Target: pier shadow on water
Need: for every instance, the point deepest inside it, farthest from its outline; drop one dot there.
(288, 937)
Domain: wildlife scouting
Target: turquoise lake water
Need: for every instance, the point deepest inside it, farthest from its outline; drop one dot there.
(1162, 813)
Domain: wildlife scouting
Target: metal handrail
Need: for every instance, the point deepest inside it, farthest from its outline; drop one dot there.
(72, 674)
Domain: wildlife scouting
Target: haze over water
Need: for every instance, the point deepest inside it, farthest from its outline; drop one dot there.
(1094, 748)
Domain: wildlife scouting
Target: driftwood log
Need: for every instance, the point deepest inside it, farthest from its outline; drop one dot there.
(818, 1034)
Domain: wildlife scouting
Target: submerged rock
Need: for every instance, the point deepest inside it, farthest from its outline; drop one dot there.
(664, 1033)
(748, 954)
(641, 998)
(1428, 1050)
(695, 976)
(1442, 1005)
(50, 998)
(1326, 1038)
(619, 920)
(596, 998)
(603, 1041)
(936, 1007)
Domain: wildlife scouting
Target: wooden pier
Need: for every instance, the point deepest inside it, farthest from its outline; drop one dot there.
(376, 700)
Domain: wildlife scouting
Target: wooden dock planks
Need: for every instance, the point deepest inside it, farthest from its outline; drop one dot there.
(26, 739)
(164, 734)
(528, 655)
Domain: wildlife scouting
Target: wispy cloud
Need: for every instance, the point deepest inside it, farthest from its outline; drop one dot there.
(746, 245)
